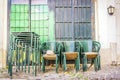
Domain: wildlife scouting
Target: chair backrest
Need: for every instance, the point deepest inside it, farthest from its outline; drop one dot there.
(96, 46)
(86, 45)
(69, 46)
(49, 46)
(52, 46)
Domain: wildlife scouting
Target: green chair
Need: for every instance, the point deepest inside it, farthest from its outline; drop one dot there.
(46, 49)
(90, 52)
(71, 52)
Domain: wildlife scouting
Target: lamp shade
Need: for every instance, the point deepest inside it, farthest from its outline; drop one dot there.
(111, 10)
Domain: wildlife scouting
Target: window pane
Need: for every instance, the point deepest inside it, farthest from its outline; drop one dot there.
(77, 16)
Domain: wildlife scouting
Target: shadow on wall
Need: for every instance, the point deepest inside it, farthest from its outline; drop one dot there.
(110, 55)
(3, 57)
(105, 56)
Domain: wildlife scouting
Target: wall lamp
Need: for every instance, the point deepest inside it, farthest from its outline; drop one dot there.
(111, 10)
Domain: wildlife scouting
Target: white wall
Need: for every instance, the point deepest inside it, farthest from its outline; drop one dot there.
(117, 15)
(106, 23)
(3, 32)
(108, 31)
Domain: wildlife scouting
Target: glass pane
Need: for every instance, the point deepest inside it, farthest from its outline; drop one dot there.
(12, 23)
(41, 31)
(69, 2)
(22, 29)
(46, 8)
(80, 14)
(45, 38)
(32, 23)
(17, 8)
(12, 29)
(88, 2)
(22, 8)
(22, 24)
(37, 16)
(75, 2)
(79, 2)
(13, 9)
(33, 9)
(17, 15)
(81, 31)
(17, 23)
(76, 18)
(89, 30)
(41, 8)
(37, 23)
(12, 16)
(26, 8)
(88, 16)
(83, 2)
(67, 15)
(45, 31)
(59, 15)
(22, 16)
(17, 29)
(26, 16)
(26, 23)
(45, 23)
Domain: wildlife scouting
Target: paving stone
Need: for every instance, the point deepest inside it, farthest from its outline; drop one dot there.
(107, 72)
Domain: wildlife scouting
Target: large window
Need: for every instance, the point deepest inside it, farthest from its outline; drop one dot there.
(73, 19)
(19, 18)
(29, 16)
(57, 19)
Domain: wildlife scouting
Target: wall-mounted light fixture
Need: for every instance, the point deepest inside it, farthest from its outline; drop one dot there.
(111, 10)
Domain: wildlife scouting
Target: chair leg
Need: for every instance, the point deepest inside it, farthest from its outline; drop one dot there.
(99, 63)
(96, 64)
(57, 61)
(43, 64)
(77, 64)
(64, 63)
(10, 69)
(84, 63)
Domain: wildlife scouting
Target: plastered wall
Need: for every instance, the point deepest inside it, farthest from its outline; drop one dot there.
(3, 32)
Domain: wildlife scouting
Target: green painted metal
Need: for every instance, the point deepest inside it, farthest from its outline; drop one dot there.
(18, 55)
(21, 44)
(55, 47)
(22, 52)
(21, 20)
(56, 20)
(71, 46)
(90, 46)
(29, 59)
(25, 58)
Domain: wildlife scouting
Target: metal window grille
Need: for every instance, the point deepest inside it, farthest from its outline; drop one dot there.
(33, 17)
(73, 19)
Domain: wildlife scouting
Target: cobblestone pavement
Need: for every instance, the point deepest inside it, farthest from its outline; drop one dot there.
(107, 72)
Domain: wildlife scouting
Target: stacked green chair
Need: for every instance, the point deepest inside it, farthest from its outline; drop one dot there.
(90, 52)
(70, 52)
(50, 47)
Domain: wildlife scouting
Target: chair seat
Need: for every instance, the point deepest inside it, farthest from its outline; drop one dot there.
(71, 55)
(50, 56)
(91, 54)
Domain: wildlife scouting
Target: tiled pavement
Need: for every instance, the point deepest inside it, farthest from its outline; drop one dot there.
(107, 72)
